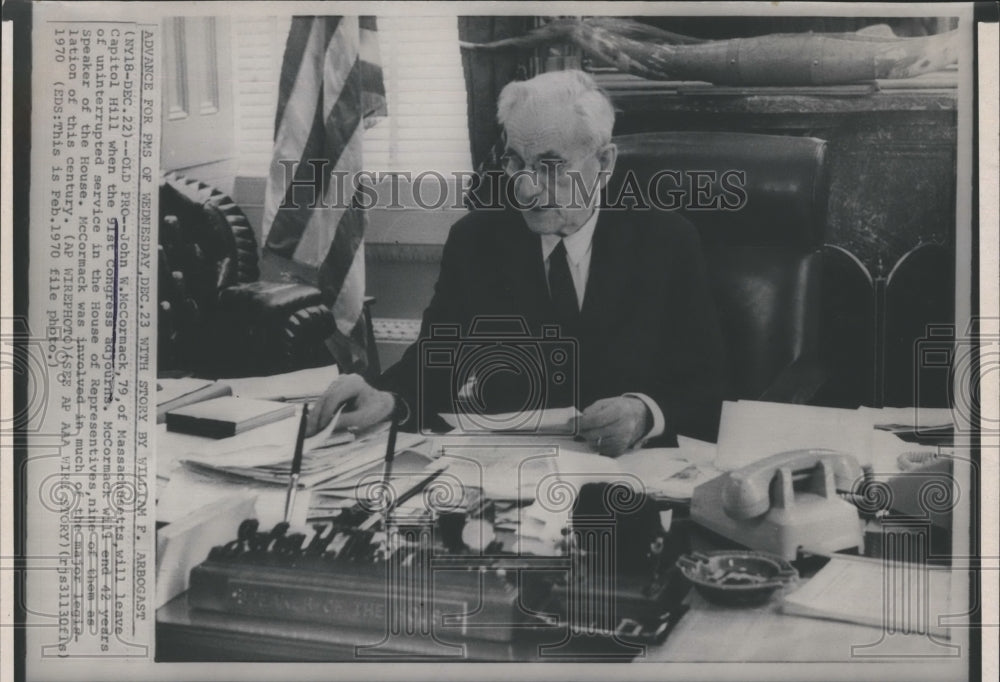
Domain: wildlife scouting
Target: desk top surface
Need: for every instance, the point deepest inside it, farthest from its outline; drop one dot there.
(707, 633)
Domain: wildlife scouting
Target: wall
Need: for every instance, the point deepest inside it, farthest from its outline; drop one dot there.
(891, 152)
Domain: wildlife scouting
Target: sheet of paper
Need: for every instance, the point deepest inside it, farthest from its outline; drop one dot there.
(751, 430)
(561, 420)
(189, 490)
(672, 473)
(918, 417)
(171, 389)
(185, 543)
(871, 592)
(298, 385)
(696, 451)
(503, 471)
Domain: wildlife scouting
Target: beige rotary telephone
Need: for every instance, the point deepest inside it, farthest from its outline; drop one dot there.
(784, 502)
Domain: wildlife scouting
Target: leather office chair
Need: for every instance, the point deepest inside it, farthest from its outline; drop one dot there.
(216, 319)
(919, 352)
(763, 254)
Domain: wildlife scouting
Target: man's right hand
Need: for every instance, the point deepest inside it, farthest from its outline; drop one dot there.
(365, 406)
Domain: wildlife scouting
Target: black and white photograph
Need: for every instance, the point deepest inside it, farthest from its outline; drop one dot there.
(429, 337)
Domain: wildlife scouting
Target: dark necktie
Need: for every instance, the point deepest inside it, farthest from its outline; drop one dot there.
(561, 288)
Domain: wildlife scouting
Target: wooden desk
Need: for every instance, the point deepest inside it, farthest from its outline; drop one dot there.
(707, 633)
(185, 634)
(763, 634)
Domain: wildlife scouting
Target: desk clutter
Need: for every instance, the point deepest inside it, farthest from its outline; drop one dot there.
(461, 535)
(417, 574)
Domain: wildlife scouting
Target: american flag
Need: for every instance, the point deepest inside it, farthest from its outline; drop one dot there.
(331, 89)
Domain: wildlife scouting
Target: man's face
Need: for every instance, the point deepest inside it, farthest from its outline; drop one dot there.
(554, 168)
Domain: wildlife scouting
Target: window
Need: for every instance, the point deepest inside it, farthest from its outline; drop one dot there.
(427, 125)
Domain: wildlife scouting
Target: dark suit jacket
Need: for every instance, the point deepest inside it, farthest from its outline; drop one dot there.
(648, 323)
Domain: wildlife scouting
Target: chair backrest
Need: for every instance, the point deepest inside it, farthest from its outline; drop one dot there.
(759, 203)
(211, 236)
(206, 244)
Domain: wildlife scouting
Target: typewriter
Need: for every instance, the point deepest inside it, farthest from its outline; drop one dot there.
(412, 577)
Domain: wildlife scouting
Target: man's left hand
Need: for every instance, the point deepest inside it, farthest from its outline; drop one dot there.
(613, 425)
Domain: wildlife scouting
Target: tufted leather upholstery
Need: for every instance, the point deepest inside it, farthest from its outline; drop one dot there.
(763, 257)
(216, 318)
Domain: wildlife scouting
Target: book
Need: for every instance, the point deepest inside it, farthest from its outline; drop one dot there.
(226, 416)
(174, 393)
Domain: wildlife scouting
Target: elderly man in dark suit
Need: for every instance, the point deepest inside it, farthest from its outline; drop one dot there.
(629, 286)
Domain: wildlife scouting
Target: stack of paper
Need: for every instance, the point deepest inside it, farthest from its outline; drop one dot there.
(751, 430)
(504, 468)
(191, 492)
(319, 464)
(410, 468)
(907, 597)
(303, 384)
(673, 473)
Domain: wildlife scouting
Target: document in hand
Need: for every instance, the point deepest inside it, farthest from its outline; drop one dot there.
(554, 421)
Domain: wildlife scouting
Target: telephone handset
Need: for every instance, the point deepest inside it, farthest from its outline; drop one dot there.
(756, 488)
(784, 502)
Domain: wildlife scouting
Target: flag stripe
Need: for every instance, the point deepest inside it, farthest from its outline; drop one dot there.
(290, 219)
(341, 54)
(350, 230)
(298, 120)
(295, 50)
(324, 143)
(317, 236)
(345, 116)
(331, 87)
(350, 303)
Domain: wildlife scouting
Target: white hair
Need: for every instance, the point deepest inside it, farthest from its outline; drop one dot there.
(559, 91)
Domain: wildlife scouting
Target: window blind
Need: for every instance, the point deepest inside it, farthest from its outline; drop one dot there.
(426, 128)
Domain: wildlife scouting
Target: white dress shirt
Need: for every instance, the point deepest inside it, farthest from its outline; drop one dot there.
(579, 246)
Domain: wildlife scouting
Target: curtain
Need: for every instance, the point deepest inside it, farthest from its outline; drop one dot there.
(485, 76)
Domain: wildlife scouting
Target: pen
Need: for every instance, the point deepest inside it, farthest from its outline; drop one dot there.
(390, 450)
(415, 490)
(293, 482)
